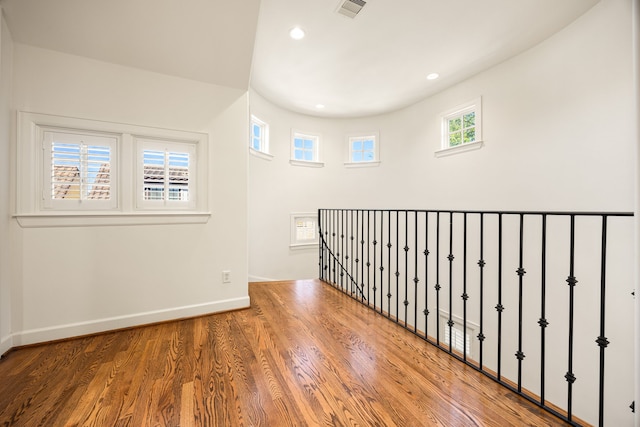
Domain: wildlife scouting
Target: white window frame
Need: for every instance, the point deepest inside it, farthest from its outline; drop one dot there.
(30, 211)
(445, 148)
(361, 136)
(303, 222)
(81, 138)
(315, 162)
(165, 147)
(263, 151)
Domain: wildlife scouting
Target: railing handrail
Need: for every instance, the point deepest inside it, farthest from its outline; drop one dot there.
(490, 211)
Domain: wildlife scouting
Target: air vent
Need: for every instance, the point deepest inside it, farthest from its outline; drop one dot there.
(350, 8)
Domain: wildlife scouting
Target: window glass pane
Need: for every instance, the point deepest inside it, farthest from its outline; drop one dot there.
(470, 135)
(256, 144)
(298, 143)
(470, 119)
(368, 156)
(178, 176)
(455, 139)
(308, 144)
(357, 145)
(65, 171)
(97, 174)
(298, 154)
(308, 156)
(368, 144)
(80, 172)
(256, 130)
(357, 156)
(153, 174)
(455, 124)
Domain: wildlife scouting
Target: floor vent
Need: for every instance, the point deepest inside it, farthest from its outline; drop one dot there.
(350, 8)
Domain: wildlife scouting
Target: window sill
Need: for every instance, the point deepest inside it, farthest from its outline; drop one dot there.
(110, 219)
(469, 146)
(298, 246)
(306, 164)
(261, 154)
(362, 164)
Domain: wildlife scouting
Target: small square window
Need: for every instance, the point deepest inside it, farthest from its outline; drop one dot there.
(461, 128)
(167, 174)
(304, 230)
(259, 138)
(363, 150)
(305, 149)
(80, 170)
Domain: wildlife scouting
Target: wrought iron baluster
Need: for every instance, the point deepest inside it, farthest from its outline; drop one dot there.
(543, 319)
(464, 296)
(521, 272)
(437, 287)
(602, 340)
(426, 275)
(450, 257)
(406, 266)
(499, 306)
(415, 274)
(481, 264)
(571, 281)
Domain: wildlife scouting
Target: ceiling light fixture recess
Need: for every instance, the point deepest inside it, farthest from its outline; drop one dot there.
(319, 106)
(433, 76)
(296, 33)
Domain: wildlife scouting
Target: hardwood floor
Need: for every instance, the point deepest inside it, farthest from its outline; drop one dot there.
(303, 354)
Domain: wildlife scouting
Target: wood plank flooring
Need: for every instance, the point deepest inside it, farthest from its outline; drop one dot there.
(304, 354)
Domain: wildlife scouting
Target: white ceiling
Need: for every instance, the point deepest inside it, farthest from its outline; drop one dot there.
(374, 63)
(205, 40)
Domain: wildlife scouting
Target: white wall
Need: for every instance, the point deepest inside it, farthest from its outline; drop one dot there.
(558, 132)
(75, 280)
(6, 55)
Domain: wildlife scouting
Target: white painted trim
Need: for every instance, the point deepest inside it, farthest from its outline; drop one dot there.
(307, 164)
(298, 246)
(29, 159)
(34, 336)
(362, 164)
(462, 148)
(261, 154)
(101, 219)
(260, 279)
(6, 343)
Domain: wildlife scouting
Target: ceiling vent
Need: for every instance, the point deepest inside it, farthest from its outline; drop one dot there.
(350, 8)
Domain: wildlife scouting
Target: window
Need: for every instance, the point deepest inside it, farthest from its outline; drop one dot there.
(259, 140)
(76, 172)
(166, 176)
(79, 170)
(304, 230)
(363, 149)
(305, 149)
(462, 128)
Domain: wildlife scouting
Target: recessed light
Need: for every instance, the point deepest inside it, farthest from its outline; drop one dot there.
(433, 76)
(296, 33)
(319, 106)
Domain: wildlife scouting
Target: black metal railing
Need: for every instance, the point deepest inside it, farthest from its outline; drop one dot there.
(481, 285)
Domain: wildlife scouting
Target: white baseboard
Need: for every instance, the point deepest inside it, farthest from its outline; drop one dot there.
(34, 336)
(5, 344)
(261, 279)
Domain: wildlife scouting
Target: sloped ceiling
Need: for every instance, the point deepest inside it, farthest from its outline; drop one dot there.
(372, 64)
(205, 40)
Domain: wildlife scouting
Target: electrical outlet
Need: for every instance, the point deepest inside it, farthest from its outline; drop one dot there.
(226, 276)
